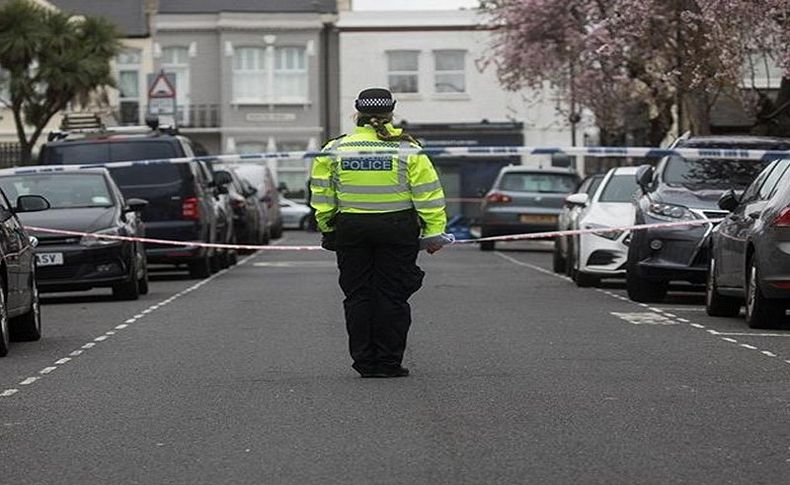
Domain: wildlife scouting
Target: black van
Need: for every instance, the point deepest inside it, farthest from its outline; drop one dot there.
(182, 197)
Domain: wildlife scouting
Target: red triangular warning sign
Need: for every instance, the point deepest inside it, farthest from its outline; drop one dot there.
(161, 87)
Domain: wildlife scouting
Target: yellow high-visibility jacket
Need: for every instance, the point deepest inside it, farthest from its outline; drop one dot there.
(375, 184)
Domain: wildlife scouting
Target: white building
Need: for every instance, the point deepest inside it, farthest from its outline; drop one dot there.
(432, 61)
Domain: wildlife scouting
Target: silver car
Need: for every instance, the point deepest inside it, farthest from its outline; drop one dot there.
(567, 220)
(525, 200)
(296, 215)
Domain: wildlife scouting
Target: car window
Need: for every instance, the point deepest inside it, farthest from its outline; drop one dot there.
(594, 184)
(769, 186)
(63, 191)
(538, 182)
(107, 151)
(753, 190)
(712, 174)
(619, 188)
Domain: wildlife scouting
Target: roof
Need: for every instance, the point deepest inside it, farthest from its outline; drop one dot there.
(426, 19)
(737, 141)
(51, 169)
(270, 6)
(526, 168)
(624, 170)
(128, 15)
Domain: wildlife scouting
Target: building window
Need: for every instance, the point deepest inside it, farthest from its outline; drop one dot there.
(290, 74)
(249, 74)
(270, 75)
(127, 64)
(450, 71)
(175, 61)
(403, 67)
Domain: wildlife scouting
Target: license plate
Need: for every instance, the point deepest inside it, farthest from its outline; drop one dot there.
(538, 219)
(49, 259)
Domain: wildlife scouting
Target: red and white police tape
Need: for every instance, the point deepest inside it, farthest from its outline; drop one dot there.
(252, 247)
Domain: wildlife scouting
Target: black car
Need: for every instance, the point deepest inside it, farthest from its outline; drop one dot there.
(20, 315)
(750, 251)
(83, 200)
(183, 198)
(679, 189)
(249, 215)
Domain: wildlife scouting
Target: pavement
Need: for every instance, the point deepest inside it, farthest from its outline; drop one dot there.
(518, 376)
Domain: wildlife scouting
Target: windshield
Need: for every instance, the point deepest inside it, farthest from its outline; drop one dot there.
(712, 174)
(103, 151)
(620, 188)
(538, 182)
(63, 191)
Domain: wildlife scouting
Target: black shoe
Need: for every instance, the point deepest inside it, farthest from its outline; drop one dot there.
(391, 371)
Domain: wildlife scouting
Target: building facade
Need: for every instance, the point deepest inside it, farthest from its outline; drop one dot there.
(250, 76)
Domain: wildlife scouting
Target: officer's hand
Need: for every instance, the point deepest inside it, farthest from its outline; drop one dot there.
(329, 241)
(432, 248)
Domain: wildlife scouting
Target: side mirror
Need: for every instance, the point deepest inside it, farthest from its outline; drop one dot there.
(31, 203)
(135, 205)
(644, 176)
(222, 177)
(729, 201)
(222, 189)
(577, 200)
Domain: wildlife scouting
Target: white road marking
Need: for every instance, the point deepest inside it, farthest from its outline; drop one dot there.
(644, 318)
(695, 325)
(755, 334)
(747, 346)
(713, 332)
(76, 353)
(683, 309)
(727, 339)
(688, 321)
(768, 353)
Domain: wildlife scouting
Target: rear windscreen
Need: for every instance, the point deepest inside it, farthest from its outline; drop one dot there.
(620, 188)
(538, 182)
(107, 151)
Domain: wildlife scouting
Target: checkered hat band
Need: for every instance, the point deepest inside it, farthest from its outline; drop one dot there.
(375, 103)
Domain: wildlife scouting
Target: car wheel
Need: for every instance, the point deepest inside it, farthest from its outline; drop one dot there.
(585, 280)
(266, 237)
(27, 327)
(200, 268)
(142, 283)
(558, 262)
(570, 261)
(277, 231)
(4, 337)
(128, 290)
(760, 311)
(717, 305)
(640, 289)
(304, 223)
(233, 258)
(216, 262)
(487, 245)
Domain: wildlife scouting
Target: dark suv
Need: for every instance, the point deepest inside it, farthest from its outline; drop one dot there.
(184, 200)
(677, 190)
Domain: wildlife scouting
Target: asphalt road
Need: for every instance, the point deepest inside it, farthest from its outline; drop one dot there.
(517, 377)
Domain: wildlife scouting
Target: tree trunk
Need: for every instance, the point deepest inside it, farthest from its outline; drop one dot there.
(697, 112)
(773, 116)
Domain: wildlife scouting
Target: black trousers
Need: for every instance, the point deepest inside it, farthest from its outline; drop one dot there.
(377, 258)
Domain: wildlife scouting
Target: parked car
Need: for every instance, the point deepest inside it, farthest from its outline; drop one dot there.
(677, 190)
(296, 215)
(568, 218)
(603, 255)
(83, 200)
(182, 197)
(750, 251)
(524, 200)
(249, 213)
(262, 179)
(20, 315)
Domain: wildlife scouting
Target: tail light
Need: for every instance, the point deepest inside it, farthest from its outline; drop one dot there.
(498, 198)
(783, 219)
(190, 209)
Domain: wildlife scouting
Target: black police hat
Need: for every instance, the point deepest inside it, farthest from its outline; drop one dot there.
(375, 101)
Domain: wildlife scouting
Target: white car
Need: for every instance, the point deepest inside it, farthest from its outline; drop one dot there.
(603, 255)
(295, 214)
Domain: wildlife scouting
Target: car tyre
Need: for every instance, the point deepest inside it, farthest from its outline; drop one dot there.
(304, 223)
(4, 335)
(215, 262)
(570, 261)
(233, 258)
(717, 305)
(761, 312)
(128, 290)
(558, 262)
(640, 289)
(266, 237)
(585, 280)
(277, 231)
(142, 283)
(27, 327)
(200, 268)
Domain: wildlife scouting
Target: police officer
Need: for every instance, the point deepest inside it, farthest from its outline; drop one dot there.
(373, 211)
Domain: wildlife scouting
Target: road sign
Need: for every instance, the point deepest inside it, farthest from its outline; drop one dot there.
(162, 87)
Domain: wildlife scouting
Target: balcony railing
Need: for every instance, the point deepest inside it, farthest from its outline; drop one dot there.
(187, 116)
